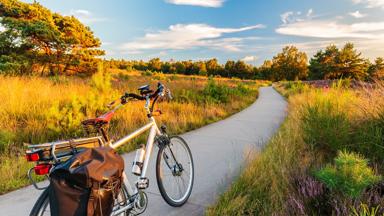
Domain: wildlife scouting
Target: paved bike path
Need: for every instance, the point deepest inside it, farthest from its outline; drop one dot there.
(218, 150)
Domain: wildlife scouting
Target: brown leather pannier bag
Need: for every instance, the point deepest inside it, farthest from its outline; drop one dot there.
(87, 183)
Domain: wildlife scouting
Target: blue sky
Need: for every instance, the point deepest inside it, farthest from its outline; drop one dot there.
(251, 30)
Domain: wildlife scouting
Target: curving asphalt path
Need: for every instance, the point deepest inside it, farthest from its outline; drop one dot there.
(218, 149)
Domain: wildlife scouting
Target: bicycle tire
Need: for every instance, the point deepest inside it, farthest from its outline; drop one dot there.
(159, 176)
(41, 201)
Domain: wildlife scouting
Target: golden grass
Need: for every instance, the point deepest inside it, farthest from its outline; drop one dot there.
(267, 182)
(35, 110)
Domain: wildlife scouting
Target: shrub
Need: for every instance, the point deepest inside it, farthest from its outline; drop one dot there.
(325, 127)
(216, 93)
(350, 174)
(102, 79)
(147, 73)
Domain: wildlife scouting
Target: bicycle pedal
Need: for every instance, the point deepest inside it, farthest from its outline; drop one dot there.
(142, 183)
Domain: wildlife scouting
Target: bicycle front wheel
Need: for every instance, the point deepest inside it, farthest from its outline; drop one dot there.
(175, 171)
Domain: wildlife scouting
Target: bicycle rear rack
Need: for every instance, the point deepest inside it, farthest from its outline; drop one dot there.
(59, 150)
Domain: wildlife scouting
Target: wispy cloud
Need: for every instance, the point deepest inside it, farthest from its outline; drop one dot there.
(331, 28)
(186, 36)
(290, 16)
(86, 16)
(202, 3)
(370, 3)
(357, 14)
(250, 59)
(368, 36)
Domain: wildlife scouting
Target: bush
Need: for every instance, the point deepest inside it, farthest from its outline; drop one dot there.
(216, 93)
(350, 174)
(325, 127)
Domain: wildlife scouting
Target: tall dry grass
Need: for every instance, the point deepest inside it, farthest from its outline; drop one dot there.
(320, 123)
(36, 110)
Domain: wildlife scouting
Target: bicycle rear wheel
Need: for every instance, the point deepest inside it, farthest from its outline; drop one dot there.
(175, 171)
(42, 208)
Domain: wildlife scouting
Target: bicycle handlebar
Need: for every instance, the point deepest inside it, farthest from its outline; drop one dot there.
(158, 92)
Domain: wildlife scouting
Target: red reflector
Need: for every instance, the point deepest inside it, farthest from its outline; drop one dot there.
(42, 169)
(32, 157)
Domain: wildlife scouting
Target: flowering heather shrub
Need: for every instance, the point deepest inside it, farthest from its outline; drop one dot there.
(310, 197)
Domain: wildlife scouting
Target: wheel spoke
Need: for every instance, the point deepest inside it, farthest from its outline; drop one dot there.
(176, 172)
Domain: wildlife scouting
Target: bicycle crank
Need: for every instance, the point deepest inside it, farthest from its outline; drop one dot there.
(140, 203)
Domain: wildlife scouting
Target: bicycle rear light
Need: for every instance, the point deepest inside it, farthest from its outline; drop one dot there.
(42, 169)
(32, 156)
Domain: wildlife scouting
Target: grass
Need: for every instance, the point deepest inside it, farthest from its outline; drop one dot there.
(282, 179)
(36, 110)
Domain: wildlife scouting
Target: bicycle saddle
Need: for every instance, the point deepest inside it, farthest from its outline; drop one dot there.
(144, 89)
(104, 119)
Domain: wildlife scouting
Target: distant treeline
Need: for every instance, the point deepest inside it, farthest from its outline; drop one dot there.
(34, 40)
(205, 68)
(290, 64)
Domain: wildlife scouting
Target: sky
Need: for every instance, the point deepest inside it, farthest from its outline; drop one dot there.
(249, 30)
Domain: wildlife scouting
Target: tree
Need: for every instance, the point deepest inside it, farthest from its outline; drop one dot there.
(376, 70)
(202, 69)
(290, 64)
(334, 63)
(212, 66)
(350, 64)
(229, 68)
(47, 40)
(180, 67)
(265, 70)
(242, 70)
(155, 64)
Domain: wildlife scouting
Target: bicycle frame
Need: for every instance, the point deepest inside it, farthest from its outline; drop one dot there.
(153, 131)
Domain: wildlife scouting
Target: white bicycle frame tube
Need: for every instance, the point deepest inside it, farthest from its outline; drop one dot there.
(153, 131)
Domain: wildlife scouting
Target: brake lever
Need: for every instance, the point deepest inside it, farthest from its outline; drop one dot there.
(111, 104)
(169, 95)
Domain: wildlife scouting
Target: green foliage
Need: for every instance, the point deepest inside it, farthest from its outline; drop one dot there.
(44, 41)
(336, 64)
(296, 87)
(101, 80)
(290, 64)
(350, 174)
(376, 70)
(368, 137)
(325, 128)
(6, 138)
(216, 93)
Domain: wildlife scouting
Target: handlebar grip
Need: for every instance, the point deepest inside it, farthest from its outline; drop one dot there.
(138, 97)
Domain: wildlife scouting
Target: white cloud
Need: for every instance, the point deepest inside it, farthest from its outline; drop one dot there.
(357, 14)
(290, 16)
(202, 3)
(250, 58)
(310, 12)
(371, 3)
(321, 28)
(85, 16)
(186, 36)
(367, 36)
(285, 16)
(332, 29)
